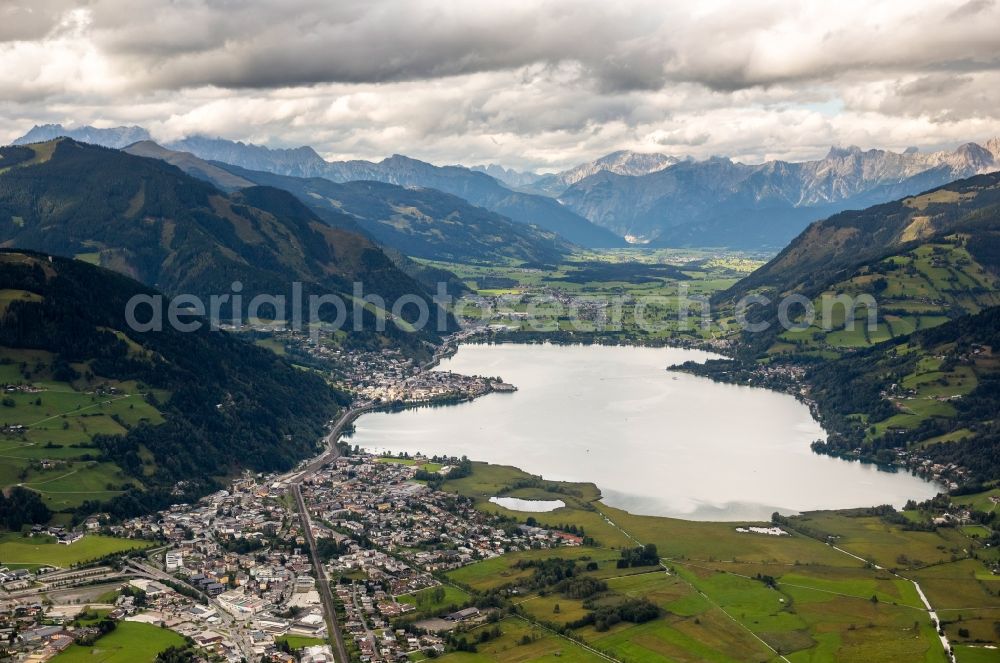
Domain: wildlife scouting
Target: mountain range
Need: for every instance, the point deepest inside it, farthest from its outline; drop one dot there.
(622, 162)
(652, 199)
(477, 188)
(418, 222)
(149, 220)
(720, 202)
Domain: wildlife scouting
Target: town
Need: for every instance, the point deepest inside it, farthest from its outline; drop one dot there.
(232, 574)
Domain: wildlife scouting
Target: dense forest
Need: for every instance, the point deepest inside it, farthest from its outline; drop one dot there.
(232, 405)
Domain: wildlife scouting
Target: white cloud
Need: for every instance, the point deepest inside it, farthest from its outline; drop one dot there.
(526, 84)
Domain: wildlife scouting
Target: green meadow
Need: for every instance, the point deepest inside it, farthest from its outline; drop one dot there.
(130, 642)
(52, 452)
(730, 596)
(17, 550)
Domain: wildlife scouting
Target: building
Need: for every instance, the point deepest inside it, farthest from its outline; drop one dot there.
(174, 560)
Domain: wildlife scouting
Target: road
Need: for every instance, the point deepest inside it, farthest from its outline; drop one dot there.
(295, 480)
(235, 630)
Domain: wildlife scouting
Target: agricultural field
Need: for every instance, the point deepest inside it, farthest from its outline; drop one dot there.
(47, 427)
(730, 596)
(523, 641)
(130, 642)
(20, 551)
(598, 292)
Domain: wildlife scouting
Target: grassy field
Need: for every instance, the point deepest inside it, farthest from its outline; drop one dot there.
(427, 602)
(300, 641)
(16, 550)
(488, 481)
(498, 571)
(131, 642)
(51, 453)
(539, 645)
(820, 605)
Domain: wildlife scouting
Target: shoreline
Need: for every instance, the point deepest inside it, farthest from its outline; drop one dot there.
(704, 506)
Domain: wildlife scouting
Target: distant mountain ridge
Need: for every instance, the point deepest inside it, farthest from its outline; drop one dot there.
(650, 199)
(719, 202)
(115, 137)
(418, 222)
(512, 178)
(622, 162)
(477, 188)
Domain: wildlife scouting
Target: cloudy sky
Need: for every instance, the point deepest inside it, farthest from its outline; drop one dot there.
(528, 84)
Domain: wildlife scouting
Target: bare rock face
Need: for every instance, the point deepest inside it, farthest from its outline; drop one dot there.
(116, 137)
(718, 202)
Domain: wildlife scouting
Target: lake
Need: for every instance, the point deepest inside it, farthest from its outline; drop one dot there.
(654, 441)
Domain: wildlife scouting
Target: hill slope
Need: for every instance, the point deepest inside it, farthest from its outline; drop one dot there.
(147, 219)
(477, 188)
(420, 222)
(923, 260)
(934, 394)
(135, 420)
(833, 249)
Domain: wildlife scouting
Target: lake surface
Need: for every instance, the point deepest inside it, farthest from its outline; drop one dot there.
(530, 506)
(654, 441)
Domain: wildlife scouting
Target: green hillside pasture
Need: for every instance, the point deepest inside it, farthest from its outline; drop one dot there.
(24, 551)
(929, 281)
(78, 482)
(7, 296)
(130, 642)
(59, 424)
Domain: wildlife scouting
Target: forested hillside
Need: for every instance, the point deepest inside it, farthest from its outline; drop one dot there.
(148, 219)
(99, 416)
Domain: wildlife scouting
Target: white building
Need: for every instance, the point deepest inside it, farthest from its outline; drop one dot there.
(174, 560)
